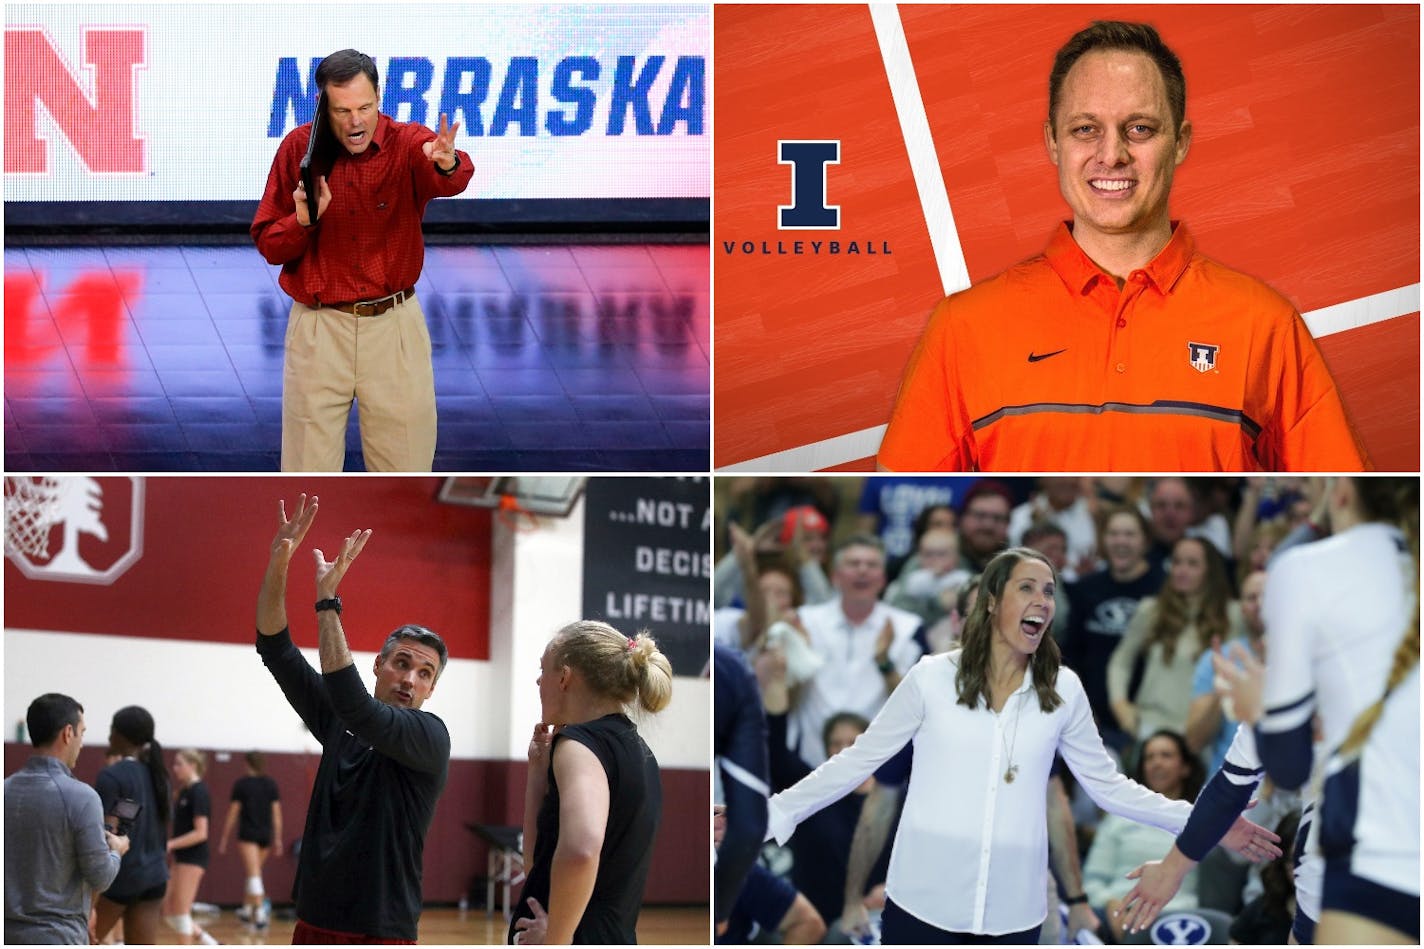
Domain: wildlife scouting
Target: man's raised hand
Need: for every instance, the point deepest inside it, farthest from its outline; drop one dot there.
(441, 148)
(290, 532)
(329, 574)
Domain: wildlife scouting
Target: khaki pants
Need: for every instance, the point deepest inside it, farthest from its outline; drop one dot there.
(383, 363)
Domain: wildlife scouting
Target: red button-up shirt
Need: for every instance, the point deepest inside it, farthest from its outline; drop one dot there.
(367, 243)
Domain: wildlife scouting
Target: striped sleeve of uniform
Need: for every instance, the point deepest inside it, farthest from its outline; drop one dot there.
(1223, 798)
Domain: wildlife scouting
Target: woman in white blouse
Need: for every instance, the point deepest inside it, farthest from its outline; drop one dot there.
(971, 854)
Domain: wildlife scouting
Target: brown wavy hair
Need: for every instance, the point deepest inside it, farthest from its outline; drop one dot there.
(972, 679)
(1395, 500)
(1174, 611)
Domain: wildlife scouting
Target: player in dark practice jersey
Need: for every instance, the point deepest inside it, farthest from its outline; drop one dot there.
(256, 813)
(192, 810)
(594, 796)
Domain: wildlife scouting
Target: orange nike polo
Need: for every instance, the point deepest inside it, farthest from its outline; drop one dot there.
(1050, 367)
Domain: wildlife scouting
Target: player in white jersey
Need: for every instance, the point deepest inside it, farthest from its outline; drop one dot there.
(1342, 634)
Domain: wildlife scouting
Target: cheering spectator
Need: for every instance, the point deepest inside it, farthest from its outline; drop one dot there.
(1209, 729)
(984, 523)
(798, 538)
(1173, 630)
(867, 646)
(1171, 509)
(1101, 606)
(928, 590)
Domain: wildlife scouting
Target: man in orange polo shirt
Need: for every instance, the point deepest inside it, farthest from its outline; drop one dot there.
(1120, 347)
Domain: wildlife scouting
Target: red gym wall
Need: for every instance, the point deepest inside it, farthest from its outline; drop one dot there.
(205, 546)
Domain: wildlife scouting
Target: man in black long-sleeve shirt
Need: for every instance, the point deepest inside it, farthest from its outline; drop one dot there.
(383, 763)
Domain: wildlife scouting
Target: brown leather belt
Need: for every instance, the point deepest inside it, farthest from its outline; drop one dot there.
(372, 307)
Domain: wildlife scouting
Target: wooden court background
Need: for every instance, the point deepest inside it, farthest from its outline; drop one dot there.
(1303, 171)
(657, 926)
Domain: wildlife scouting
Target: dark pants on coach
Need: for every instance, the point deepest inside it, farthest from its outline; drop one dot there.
(899, 928)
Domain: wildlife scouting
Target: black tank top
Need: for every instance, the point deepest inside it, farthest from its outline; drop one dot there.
(635, 804)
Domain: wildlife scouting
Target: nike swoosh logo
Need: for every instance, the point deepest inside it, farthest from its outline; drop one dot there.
(1033, 358)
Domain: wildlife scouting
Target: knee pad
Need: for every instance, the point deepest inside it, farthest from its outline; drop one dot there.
(254, 886)
(182, 925)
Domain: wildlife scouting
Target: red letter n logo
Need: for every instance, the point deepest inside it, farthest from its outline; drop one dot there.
(100, 127)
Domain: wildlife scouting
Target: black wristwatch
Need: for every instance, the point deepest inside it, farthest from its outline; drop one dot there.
(332, 604)
(885, 666)
(453, 168)
(1075, 900)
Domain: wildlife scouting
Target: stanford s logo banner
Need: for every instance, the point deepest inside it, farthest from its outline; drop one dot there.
(73, 529)
(93, 104)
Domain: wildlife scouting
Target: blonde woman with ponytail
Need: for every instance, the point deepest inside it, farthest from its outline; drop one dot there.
(1342, 628)
(594, 796)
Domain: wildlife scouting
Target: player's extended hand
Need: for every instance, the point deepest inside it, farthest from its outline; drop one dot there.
(1251, 841)
(323, 199)
(290, 532)
(1240, 680)
(328, 575)
(531, 931)
(441, 148)
(1157, 883)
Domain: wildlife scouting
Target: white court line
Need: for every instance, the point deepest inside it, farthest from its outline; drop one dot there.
(817, 455)
(924, 163)
(1352, 314)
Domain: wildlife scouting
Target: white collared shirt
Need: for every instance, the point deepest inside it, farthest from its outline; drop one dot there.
(849, 681)
(971, 852)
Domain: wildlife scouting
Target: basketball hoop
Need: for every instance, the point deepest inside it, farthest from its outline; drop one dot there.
(510, 511)
(30, 508)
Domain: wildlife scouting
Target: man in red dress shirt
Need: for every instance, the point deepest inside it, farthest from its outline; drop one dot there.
(356, 330)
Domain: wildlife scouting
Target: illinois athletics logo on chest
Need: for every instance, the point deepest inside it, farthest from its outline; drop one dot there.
(1202, 356)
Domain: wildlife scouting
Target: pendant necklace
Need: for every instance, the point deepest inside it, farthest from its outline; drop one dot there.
(1012, 771)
